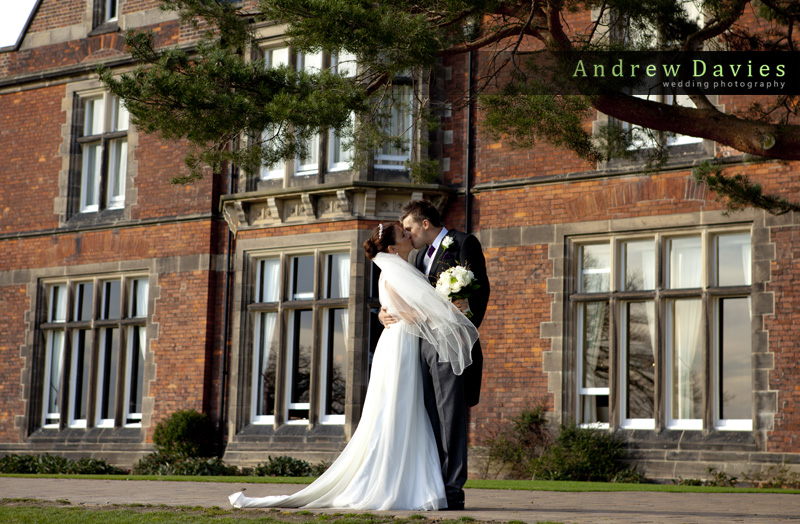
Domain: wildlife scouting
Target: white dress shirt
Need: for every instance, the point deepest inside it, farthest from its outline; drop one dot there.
(436, 243)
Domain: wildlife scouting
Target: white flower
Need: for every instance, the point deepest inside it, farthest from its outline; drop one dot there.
(447, 242)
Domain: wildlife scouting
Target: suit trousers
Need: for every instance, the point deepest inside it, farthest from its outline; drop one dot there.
(447, 409)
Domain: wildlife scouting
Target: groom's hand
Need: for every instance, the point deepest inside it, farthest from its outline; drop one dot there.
(462, 304)
(385, 318)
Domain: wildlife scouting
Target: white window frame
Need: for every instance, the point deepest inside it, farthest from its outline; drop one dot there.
(318, 304)
(394, 159)
(664, 298)
(345, 65)
(110, 10)
(584, 391)
(625, 422)
(74, 323)
(104, 156)
(290, 341)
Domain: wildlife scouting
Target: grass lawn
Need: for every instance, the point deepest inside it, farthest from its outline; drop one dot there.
(24, 511)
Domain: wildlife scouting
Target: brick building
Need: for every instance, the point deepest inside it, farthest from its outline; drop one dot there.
(624, 299)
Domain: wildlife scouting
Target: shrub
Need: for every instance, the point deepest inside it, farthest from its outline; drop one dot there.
(585, 455)
(513, 446)
(54, 464)
(165, 464)
(185, 433)
(284, 466)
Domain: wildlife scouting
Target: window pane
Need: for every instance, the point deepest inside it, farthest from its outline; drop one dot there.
(90, 177)
(111, 298)
(112, 10)
(395, 153)
(640, 360)
(335, 362)
(79, 374)
(117, 171)
(83, 301)
(302, 277)
(57, 308)
(595, 345)
(134, 373)
(268, 280)
(274, 58)
(337, 276)
(594, 409)
(733, 260)
(53, 367)
(595, 270)
(300, 341)
(685, 350)
(344, 63)
(107, 373)
(340, 150)
(685, 262)
(93, 117)
(137, 298)
(264, 363)
(639, 265)
(309, 163)
(735, 359)
(121, 117)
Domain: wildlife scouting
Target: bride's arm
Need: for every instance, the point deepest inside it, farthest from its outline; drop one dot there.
(401, 308)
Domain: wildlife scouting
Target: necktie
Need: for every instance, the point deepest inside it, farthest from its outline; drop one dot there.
(430, 251)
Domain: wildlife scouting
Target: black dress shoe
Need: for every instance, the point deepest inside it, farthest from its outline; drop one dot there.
(454, 506)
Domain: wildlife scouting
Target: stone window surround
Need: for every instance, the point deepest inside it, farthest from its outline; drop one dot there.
(66, 205)
(249, 250)
(32, 352)
(558, 363)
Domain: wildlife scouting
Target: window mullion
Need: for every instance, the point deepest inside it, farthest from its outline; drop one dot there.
(659, 382)
(708, 343)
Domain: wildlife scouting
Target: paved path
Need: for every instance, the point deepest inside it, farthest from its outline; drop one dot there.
(482, 504)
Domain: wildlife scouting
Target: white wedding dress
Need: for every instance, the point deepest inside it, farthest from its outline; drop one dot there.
(391, 462)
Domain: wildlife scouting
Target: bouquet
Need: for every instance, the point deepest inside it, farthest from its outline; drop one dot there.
(457, 282)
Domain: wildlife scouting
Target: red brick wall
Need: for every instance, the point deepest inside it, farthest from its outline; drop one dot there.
(53, 14)
(31, 121)
(13, 303)
(180, 349)
(182, 239)
(510, 341)
(784, 339)
(158, 162)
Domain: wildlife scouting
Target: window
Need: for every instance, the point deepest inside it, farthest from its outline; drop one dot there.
(103, 143)
(629, 289)
(105, 16)
(639, 34)
(333, 151)
(338, 152)
(395, 154)
(312, 308)
(111, 10)
(91, 326)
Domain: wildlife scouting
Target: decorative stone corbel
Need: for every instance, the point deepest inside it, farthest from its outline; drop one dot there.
(308, 206)
(345, 206)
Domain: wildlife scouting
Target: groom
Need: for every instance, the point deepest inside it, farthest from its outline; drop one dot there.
(448, 395)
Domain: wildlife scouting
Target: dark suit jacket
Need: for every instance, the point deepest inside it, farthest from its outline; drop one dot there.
(465, 250)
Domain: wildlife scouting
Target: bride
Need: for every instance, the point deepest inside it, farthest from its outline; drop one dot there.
(391, 462)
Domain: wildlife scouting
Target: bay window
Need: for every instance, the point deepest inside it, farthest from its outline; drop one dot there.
(300, 319)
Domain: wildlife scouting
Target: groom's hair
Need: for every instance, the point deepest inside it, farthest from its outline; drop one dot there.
(419, 210)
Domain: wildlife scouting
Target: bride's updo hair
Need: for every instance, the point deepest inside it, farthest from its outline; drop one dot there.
(382, 237)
